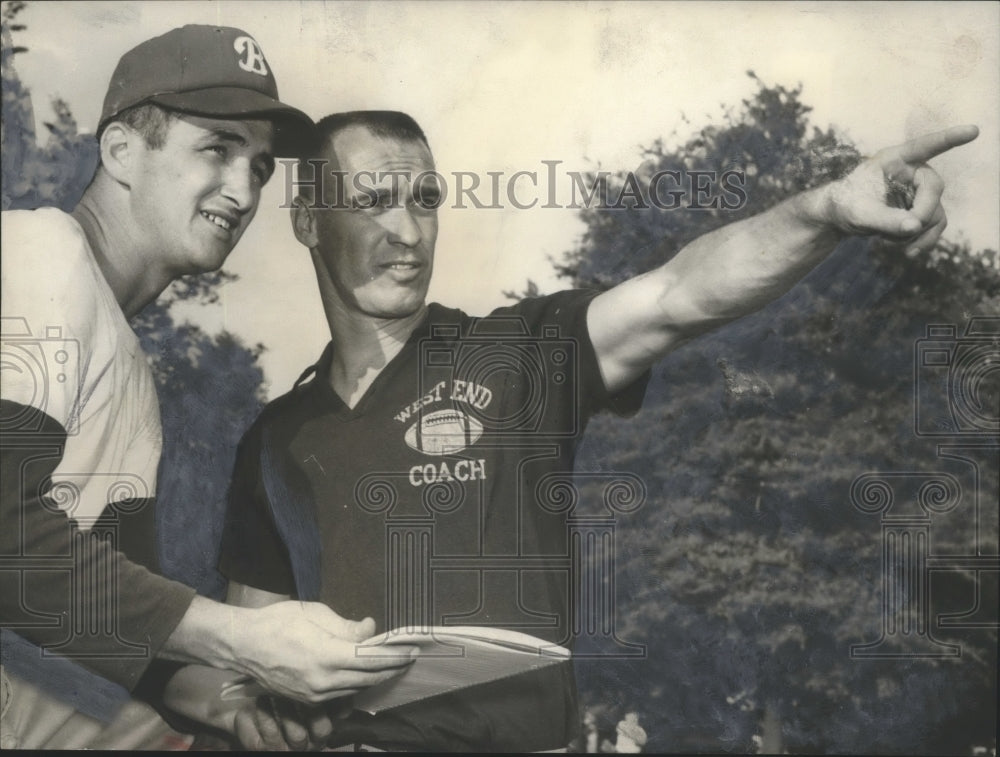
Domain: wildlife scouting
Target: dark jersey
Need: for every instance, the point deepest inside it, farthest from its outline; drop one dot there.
(435, 500)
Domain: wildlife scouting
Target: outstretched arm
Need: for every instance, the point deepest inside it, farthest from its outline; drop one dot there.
(739, 268)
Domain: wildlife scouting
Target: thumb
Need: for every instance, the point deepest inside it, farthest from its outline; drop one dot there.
(364, 629)
(891, 222)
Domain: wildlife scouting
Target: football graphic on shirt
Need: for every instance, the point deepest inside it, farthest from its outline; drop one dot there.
(443, 432)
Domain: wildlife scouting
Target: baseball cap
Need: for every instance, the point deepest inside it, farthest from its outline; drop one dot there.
(214, 71)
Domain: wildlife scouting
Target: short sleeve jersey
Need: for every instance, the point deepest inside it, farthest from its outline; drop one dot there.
(435, 500)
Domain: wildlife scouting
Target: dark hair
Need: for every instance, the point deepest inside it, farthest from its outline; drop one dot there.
(148, 119)
(388, 124)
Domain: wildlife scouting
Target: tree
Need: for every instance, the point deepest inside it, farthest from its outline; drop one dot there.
(210, 386)
(749, 574)
(51, 175)
(210, 389)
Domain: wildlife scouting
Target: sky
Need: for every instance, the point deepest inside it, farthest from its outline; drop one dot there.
(503, 87)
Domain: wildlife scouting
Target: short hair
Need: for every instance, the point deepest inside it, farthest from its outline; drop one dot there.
(387, 124)
(149, 120)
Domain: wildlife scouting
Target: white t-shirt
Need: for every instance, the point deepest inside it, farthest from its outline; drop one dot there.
(72, 354)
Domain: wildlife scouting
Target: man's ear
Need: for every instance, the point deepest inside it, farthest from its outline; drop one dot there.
(118, 147)
(304, 222)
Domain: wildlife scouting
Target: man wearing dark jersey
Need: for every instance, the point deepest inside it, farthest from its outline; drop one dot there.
(409, 475)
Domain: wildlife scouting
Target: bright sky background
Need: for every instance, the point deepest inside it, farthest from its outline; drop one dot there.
(504, 86)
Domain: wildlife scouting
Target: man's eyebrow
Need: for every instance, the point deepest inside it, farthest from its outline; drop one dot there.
(228, 135)
(220, 132)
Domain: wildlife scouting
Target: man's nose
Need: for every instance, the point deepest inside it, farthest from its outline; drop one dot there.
(403, 227)
(240, 185)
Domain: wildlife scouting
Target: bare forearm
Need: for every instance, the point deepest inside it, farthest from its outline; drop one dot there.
(739, 268)
(212, 633)
(721, 276)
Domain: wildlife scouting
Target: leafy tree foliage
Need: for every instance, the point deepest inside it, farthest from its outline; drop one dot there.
(749, 573)
(210, 386)
(51, 175)
(210, 389)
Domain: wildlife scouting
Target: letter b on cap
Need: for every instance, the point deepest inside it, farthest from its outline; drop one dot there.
(251, 57)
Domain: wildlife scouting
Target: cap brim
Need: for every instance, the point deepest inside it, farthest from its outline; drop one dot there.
(295, 132)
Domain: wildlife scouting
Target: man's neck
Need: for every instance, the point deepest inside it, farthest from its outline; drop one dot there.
(363, 346)
(132, 275)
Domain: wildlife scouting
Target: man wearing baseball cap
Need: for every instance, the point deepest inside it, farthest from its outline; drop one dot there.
(206, 71)
(188, 133)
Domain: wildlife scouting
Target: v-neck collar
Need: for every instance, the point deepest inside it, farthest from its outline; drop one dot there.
(330, 398)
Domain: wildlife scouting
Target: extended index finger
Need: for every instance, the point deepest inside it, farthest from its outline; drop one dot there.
(922, 149)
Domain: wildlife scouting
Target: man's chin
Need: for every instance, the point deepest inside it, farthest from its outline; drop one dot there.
(208, 261)
(396, 311)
